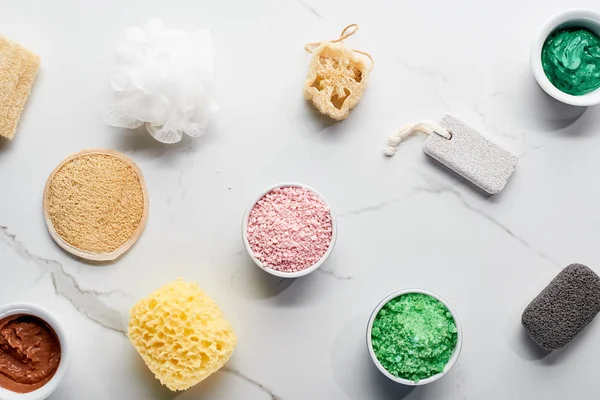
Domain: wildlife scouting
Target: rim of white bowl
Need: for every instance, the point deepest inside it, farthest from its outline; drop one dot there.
(451, 361)
(579, 17)
(275, 272)
(48, 317)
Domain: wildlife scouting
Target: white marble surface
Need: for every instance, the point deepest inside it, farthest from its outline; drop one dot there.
(403, 222)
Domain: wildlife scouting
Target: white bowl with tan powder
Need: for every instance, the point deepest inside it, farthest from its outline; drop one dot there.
(96, 204)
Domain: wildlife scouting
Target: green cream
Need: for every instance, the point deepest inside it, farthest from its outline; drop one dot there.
(414, 336)
(571, 60)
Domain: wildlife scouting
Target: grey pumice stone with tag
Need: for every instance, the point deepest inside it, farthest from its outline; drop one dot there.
(471, 155)
(566, 306)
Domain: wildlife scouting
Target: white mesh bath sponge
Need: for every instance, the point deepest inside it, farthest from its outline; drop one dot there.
(163, 80)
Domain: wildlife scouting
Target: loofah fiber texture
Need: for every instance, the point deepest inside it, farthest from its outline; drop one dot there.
(18, 69)
(181, 334)
(95, 202)
(163, 81)
(337, 79)
(564, 308)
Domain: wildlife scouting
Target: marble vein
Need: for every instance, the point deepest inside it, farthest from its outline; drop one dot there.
(439, 189)
(530, 150)
(436, 189)
(371, 208)
(253, 382)
(484, 117)
(520, 137)
(334, 274)
(85, 301)
(310, 9)
(182, 186)
(421, 70)
(182, 189)
(281, 281)
(442, 101)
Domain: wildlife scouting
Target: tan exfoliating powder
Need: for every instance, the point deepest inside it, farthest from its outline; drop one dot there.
(95, 201)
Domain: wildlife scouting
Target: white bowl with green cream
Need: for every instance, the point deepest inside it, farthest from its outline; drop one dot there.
(565, 57)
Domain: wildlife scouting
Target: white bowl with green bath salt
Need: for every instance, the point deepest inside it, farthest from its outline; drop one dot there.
(414, 337)
(565, 57)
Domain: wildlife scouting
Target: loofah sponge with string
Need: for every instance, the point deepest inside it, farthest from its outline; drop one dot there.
(18, 69)
(566, 306)
(337, 76)
(181, 334)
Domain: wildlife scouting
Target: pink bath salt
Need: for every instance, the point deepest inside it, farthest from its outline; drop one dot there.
(289, 229)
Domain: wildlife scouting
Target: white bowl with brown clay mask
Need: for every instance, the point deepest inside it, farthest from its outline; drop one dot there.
(33, 352)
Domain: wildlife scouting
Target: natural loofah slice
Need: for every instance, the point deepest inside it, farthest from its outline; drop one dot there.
(181, 334)
(337, 76)
(95, 204)
(18, 69)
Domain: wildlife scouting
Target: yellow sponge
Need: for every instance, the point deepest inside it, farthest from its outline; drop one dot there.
(181, 334)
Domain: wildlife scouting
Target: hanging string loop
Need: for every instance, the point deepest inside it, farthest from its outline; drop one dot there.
(426, 127)
(345, 34)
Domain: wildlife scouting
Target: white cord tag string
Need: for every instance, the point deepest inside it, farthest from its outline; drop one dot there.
(426, 127)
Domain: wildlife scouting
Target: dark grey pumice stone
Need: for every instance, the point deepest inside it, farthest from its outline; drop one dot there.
(563, 308)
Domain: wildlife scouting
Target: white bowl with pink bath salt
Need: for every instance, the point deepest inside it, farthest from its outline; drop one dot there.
(289, 230)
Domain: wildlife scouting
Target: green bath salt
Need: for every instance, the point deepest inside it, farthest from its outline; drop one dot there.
(414, 336)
